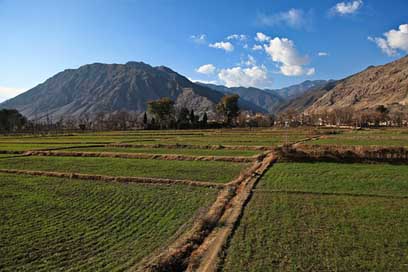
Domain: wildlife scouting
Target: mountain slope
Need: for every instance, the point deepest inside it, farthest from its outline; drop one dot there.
(268, 101)
(382, 85)
(108, 88)
(297, 90)
(307, 99)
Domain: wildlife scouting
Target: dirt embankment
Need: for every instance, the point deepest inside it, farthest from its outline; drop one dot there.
(201, 246)
(142, 180)
(145, 156)
(345, 154)
(189, 146)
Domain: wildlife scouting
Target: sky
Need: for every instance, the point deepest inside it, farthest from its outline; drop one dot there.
(261, 43)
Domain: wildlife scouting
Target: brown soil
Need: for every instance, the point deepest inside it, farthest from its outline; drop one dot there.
(143, 180)
(200, 247)
(144, 156)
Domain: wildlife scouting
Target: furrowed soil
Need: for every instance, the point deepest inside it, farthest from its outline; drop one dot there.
(49, 224)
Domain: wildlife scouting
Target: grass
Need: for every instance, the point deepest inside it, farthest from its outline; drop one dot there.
(372, 137)
(246, 137)
(38, 146)
(212, 171)
(178, 151)
(281, 232)
(381, 179)
(52, 224)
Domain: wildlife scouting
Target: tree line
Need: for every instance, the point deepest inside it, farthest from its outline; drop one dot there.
(163, 114)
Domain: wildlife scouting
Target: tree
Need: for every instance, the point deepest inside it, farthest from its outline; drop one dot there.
(11, 120)
(192, 118)
(228, 108)
(182, 118)
(204, 121)
(163, 110)
(145, 119)
(382, 114)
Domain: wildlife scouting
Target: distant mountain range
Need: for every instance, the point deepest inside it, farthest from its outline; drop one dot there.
(269, 100)
(109, 88)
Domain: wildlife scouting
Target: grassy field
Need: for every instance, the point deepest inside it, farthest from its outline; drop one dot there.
(310, 231)
(378, 179)
(301, 217)
(212, 171)
(50, 224)
(379, 137)
(178, 151)
(281, 232)
(262, 137)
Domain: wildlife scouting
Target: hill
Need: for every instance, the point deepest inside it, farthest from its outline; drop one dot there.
(377, 85)
(109, 88)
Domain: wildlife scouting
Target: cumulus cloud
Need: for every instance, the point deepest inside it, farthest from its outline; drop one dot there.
(206, 69)
(345, 8)
(227, 46)
(323, 54)
(257, 47)
(199, 39)
(239, 37)
(255, 76)
(283, 51)
(7, 93)
(393, 40)
(294, 18)
(260, 37)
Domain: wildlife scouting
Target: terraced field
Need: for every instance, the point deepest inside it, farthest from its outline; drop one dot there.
(50, 224)
(301, 217)
(324, 217)
(177, 151)
(389, 137)
(190, 170)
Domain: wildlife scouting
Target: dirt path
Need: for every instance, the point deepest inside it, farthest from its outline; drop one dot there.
(207, 256)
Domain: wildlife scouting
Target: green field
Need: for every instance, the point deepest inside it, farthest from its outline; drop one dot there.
(380, 137)
(50, 224)
(378, 179)
(246, 137)
(176, 151)
(213, 171)
(324, 217)
(281, 232)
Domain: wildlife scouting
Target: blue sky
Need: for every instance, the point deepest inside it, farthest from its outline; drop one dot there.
(41, 38)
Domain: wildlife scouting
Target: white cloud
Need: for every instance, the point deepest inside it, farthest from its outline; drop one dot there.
(255, 76)
(227, 46)
(295, 18)
(257, 47)
(204, 81)
(7, 93)
(206, 69)
(323, 54)
(394, 40)
(251, 61)
(283, 51)
(199, 39)
(239, 37)
(344, 8)
(260, 37)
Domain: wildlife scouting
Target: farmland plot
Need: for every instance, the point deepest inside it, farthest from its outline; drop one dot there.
(50, 224)
(192, 170)
(324, 217)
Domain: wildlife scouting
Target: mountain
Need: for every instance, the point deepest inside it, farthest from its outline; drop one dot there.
(377, 85)
(297, 90)
(301, 103)
(108, 88)
(268, 101)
